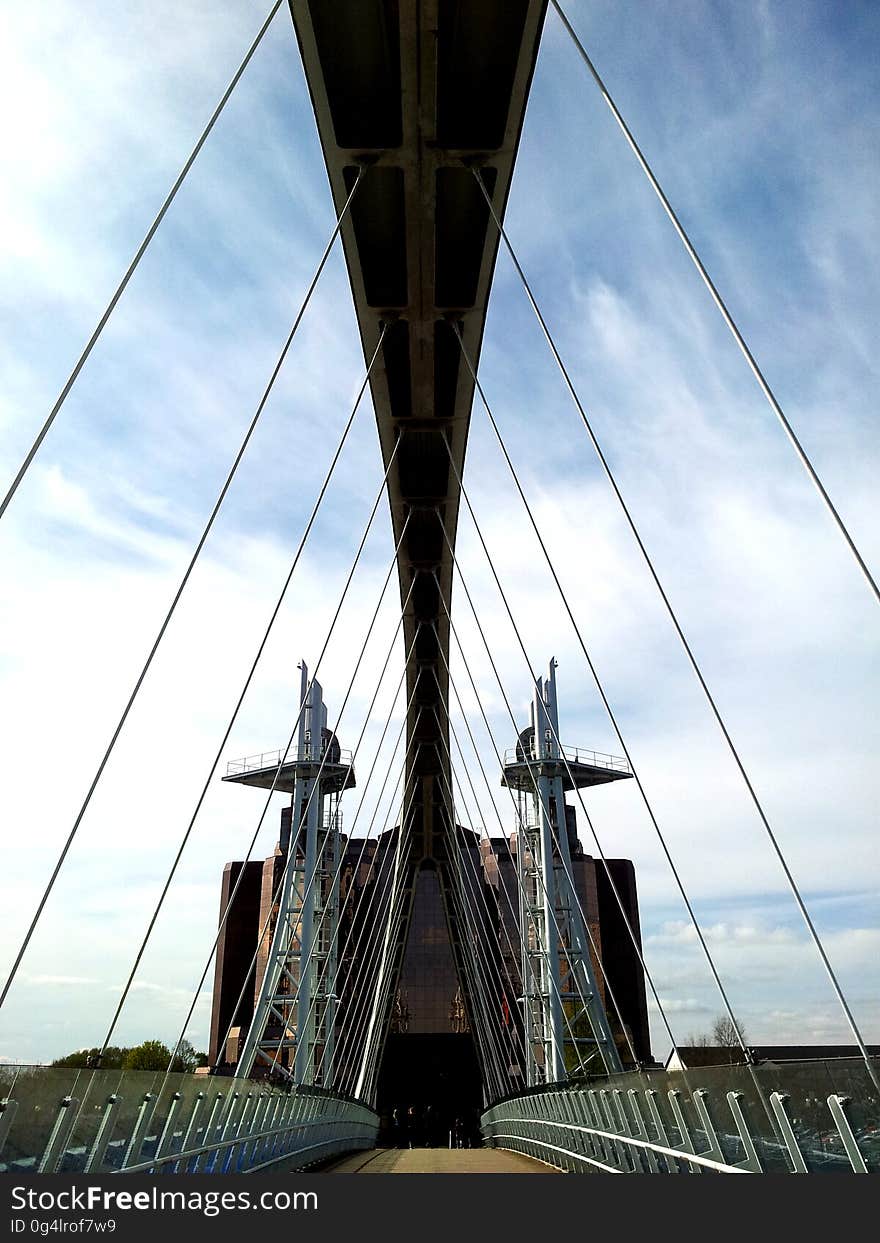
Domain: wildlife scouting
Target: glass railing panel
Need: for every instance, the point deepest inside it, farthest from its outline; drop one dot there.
(39, 1092)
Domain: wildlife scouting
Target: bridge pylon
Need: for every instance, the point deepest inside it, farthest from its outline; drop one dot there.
(293, 1027)
(566, 1027)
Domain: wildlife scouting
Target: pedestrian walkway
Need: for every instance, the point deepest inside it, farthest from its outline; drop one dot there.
(438, 1161)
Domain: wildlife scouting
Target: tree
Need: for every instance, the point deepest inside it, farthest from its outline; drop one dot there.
(727, 1033)
(722, 1034)
(187, 1058)
(151, 1055)
(84, 1058)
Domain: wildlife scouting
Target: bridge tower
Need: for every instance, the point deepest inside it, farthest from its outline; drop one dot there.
(294, 1021)
(565, 1023)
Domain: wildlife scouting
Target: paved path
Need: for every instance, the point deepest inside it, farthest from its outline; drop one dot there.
(438, 1161)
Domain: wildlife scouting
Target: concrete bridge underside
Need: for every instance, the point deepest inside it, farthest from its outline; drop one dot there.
(418, 92)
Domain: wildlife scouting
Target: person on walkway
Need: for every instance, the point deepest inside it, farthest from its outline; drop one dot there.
(398, 1130)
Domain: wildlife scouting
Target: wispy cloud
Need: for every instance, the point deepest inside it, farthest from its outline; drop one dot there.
(764, 139)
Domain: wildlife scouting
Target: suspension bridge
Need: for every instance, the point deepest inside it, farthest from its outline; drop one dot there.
(441, 981)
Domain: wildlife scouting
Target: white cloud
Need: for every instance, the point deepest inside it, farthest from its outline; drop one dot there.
(94, 545)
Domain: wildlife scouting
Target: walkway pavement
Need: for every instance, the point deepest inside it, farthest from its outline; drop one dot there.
(438, 1161)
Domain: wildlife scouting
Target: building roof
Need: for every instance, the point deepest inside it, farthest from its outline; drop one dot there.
(697, 1056)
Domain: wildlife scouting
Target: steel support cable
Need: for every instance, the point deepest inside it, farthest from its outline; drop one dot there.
(393, 948)
(240, 701)
(320, 1068)
(181, 587)
(801, 905)
(370, 978)
(371, 901)
(518, 814)
(469, 899)
(316, 781)
(558, 930)
(377, 1032)
(385, 897)
(501, 878)
(235, 888)
(356, 912)
(565, 951)
(607, 706)
(719, 302)
(315, 787)
(262, 933)
(360, 1022)
(252, 844)
(316, 784)
(635, 941)
(624, 914)
(367, 977)
(367, 719)
(139, 253)
(355, 919)
(478, 970)
(228, 907)
(362, 1081)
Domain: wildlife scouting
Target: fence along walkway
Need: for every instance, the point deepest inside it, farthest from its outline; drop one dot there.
(54, 1120)
(798, 1117)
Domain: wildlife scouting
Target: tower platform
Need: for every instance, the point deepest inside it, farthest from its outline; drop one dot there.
(579, 769)
(259, 770)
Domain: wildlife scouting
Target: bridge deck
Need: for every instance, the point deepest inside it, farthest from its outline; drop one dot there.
(438, 1161)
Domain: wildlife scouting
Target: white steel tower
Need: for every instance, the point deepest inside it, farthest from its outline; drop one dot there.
(293, 1027)
(565, 1025)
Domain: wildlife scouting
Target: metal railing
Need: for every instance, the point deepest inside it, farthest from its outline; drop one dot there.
(272, 759)
(574, 755)
(649, 1123)
(54, 1120)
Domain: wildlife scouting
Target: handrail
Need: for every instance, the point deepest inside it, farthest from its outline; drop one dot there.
(574, 755)
(272, 759)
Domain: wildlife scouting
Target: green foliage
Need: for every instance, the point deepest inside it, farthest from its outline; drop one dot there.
(81, 1058)
(188, 1058)
(151, 1055)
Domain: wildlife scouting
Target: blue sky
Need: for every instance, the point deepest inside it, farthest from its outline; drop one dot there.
(760, 120)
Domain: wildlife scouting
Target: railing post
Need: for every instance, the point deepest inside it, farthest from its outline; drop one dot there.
(687, 1143)
(598, 1123)
(777, 1103)
(752, 1161)
(8, 1110)
(634, 1154)
(97, 1152)
(642, 1131)
(139, 1131)
(60, 1134)
(841, 1121)
(660, 1126)
(620, 1153)
(701, 1104)
(191, 1128)
(208, 1135)
(277, 1108)
(266, 1110)
(167, 1133)
(244, 1119)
